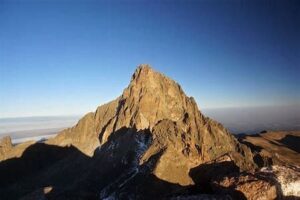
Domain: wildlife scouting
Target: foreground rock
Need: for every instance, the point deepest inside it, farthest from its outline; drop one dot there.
(278, 153)
(287, 179)
(246, 186)
(276, 182)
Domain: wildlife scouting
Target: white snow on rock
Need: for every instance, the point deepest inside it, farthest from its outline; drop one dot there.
(287, 177)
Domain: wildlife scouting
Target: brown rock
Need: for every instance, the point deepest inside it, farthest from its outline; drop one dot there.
(246, 186)
(275, 147)
(287, 178)
(155, 102)
(5, 143)
(5, 147)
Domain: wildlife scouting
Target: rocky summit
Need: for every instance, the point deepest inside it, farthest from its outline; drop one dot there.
(152, 142)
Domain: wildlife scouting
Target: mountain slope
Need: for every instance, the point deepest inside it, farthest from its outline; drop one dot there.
(85, 135)
(154, 102)
(274, 147)
(147, 143)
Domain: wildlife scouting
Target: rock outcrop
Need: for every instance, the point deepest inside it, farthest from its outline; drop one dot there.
(8, 150)
(5, 146)
(287, 179)
(246, 186)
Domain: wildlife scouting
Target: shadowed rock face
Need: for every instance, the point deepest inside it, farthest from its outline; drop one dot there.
(155, 102)
(116, 159)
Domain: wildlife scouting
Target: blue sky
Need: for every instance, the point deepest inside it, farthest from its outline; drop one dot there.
(68, 57)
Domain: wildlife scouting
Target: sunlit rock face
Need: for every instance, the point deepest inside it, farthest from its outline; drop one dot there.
(5, 147)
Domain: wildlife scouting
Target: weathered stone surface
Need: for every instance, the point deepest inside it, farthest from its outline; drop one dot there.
(5, 143)
(246, 186)
(5, 146)
(7, 150)
(287, 178)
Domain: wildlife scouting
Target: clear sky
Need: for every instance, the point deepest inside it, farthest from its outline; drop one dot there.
(68, 57)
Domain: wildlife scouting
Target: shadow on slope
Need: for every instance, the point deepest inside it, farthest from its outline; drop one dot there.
(292, 142)
(53, 172)
(113, 171)
(34, 159)
(35, 169)
(203, 174)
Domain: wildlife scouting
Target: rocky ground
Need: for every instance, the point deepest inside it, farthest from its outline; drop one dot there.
(274, 147)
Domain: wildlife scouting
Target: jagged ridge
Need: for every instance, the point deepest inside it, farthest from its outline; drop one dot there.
(155, 102)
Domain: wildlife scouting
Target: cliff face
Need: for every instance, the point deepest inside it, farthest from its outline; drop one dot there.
(156, 103)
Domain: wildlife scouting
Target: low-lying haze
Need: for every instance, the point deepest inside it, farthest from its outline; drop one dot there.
(237, 120)
(256, 119)
(28, 128)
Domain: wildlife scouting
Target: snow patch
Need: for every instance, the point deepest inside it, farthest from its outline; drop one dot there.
(287, 177)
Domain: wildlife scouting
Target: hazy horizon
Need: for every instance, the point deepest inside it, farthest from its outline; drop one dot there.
(237, 120)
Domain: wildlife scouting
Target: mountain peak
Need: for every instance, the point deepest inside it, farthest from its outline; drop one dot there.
(144, 67)
(155, 103)
(143, 70)
(146, 77)
(151, 96)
